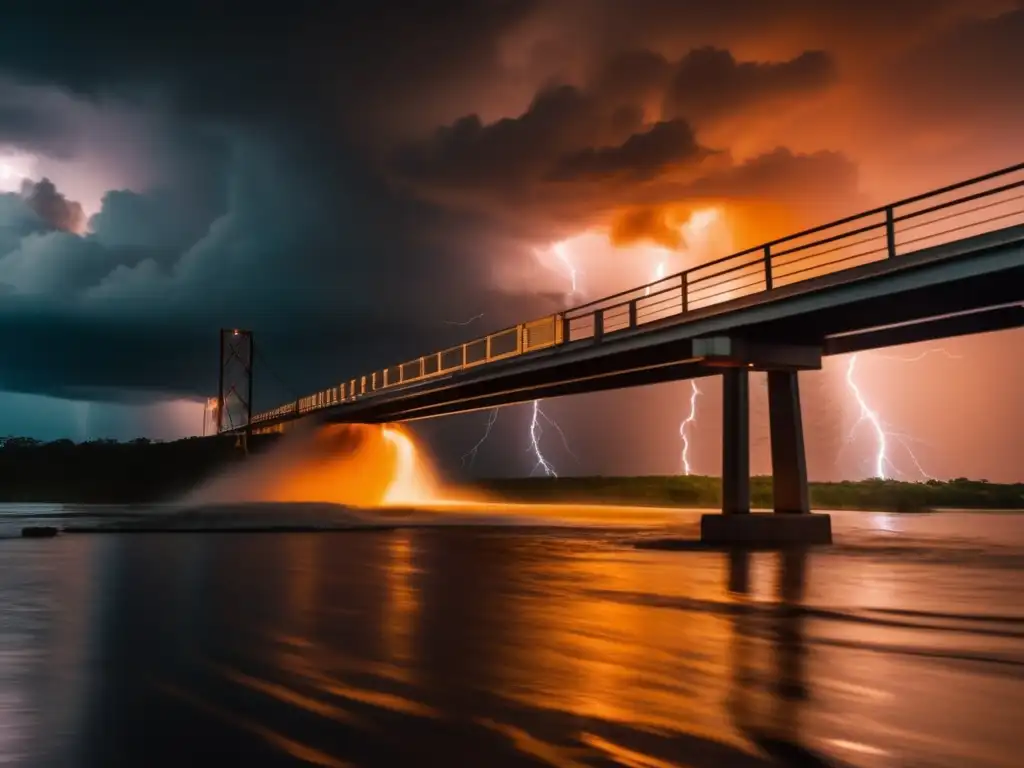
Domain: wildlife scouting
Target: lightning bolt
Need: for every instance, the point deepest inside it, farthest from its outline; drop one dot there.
(883, 462)
(471, 320)
(686, 424)
(470, 456)
(535, 433)
(537, 413)
(562, 256)
(659, 273)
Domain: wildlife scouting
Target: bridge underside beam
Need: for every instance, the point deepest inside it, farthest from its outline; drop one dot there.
(598, 374)
(930, 329)
(971, 293)
(649, 366)
(732, 351)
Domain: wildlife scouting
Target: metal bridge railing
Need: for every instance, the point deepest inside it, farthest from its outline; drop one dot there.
(982, 204)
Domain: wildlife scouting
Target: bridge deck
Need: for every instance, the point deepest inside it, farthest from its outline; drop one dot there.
(948, 262)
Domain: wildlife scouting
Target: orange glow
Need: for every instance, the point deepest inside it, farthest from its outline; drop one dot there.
(671, 227)
(356, 465)
(366, 466)
(598, 262)
(412, 480)
(661, 226)
(343, 464)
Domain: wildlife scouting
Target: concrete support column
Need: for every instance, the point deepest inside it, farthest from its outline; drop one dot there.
(736, 441)
(789, 462)
(735, 529)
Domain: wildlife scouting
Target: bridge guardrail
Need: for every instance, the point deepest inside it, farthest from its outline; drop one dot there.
(975, 206)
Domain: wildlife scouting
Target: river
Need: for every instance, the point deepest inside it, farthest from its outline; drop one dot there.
(512, 639)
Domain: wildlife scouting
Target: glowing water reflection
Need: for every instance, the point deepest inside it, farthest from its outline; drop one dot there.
(498, 647)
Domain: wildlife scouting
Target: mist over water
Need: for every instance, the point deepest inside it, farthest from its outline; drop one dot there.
(340, 473)
(355, 465)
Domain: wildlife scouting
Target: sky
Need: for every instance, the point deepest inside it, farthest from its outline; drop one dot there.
(357, 183)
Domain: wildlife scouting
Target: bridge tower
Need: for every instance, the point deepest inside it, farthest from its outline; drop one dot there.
(234, 387)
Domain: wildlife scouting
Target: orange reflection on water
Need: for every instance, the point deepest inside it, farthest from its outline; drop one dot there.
(604, 652)
(401, 604)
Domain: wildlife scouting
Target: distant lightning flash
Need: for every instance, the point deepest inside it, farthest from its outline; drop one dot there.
(883, 462)
(537, 415)
(659, 273)
(535, 433)
(470, 321)
(871, 417)
(559, 251)
(686, 424)
(470, 456)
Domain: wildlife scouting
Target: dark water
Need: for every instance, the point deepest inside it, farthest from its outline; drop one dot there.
(901, 646)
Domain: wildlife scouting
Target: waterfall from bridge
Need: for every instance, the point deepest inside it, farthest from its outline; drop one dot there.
(357, 465)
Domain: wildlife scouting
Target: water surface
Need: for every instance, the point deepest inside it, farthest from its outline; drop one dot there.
(511, 642)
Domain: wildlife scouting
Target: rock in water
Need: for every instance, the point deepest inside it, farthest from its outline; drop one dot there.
(39, 532)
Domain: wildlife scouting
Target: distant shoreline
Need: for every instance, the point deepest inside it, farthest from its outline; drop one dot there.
(141, 472)
(701, 492)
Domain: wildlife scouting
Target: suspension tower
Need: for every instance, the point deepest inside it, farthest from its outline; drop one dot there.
(234, 390)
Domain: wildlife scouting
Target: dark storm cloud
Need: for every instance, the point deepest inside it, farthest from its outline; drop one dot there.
(709, 82)
(597, 136)
(642, 156)
(293, 236)
(866, 28)
(781, 175)
(279, 64)
(513, 151)
(56, 211)
(34, 122)
(634, 76)
(306, 265)
(32, 130)
(969, 75)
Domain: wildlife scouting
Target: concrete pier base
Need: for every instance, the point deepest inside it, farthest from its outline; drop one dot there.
(765, 531)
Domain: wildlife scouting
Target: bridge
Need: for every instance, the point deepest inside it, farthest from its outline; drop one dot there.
(945, 263)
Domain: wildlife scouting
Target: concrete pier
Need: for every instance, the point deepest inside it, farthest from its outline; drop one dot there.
(792, 524)
(789, 462)
(735, 441)
(765, 531)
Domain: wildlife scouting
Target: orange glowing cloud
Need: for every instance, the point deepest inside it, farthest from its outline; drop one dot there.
(661, 225)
